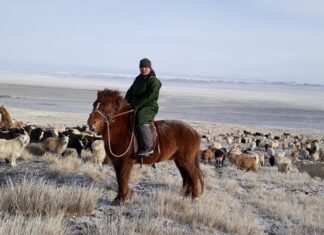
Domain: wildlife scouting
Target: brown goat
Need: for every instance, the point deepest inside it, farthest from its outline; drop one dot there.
(247, 163)
(243, 161)
(6, 120)
(207, 155)
(56, 144)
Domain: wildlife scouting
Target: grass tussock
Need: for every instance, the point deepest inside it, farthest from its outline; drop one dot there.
(18, 224)
(63, 166)
(33, 197)
(93, 172)
(25, 155)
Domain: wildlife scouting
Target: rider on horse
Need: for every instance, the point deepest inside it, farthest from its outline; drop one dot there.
(143, 96)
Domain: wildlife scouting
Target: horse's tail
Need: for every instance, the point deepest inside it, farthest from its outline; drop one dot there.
(200, 173)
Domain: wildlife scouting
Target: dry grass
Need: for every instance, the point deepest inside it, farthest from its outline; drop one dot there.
(13, 225)
(26, 155)
(33, 197)
(63, 166)
(234, 202)
(94, 172)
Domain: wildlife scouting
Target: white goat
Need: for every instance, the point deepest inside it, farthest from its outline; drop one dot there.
(253, 145)
(283, 164)
(13, 148)
(98, 152)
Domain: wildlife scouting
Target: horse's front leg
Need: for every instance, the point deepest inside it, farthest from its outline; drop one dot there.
(123, 172)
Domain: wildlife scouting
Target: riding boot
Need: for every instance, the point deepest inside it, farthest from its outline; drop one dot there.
(146, 139)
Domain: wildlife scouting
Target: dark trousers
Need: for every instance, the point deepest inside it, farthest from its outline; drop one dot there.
(144, 132)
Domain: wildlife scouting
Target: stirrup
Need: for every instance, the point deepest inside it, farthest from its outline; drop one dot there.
(145, 152)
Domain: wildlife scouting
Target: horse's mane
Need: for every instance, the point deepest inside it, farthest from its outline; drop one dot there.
(111, 96)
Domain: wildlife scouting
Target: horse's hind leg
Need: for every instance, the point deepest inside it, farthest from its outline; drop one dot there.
(186, 188)
(193, 178)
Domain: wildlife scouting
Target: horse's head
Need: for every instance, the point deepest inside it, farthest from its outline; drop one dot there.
(107, 104)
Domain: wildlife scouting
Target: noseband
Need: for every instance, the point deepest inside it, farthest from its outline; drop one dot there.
(109, 118)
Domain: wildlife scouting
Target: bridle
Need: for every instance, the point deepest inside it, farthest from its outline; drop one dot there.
(108, 119)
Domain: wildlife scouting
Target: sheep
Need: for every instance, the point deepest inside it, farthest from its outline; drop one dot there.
(270, 155)
(76, 141)
(280, 154)
(233, 154)
(314, 169)
(207, 154)
(294, 154)
(56, 144)
(13, 148)
(313, 151)
(261, 158)
(304, 153)
(247, 162)
(216, 145)
(49, 133)
(275, 144)
(283, 164)
(266, 147)
(11, 133)
(257, 142)
(36, 135)
(271, 152)
(89, 140)
(298, 146)
(283, 167)
(98, 151)
(253, 145)
(229, 140)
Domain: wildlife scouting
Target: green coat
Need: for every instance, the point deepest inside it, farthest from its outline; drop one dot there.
(143, 96)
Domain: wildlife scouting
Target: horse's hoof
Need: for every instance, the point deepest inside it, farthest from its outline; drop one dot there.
(129, 195)
(194, 199)
(117, 201)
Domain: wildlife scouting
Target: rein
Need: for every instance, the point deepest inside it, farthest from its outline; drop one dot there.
(110, 118)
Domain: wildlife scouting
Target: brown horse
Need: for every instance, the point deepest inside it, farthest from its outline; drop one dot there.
(112, 117)
(6, 120)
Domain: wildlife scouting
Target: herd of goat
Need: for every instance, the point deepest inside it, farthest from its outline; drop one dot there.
(251, 151)
(243, 149)
(39, 141)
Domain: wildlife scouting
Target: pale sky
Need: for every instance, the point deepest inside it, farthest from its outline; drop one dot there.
(278, 40)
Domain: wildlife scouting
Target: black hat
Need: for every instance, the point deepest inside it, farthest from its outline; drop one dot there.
(145, 63)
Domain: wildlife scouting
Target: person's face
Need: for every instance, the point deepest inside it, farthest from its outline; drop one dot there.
(145, 70)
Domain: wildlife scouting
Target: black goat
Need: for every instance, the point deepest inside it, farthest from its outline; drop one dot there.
(36, 135)
(11, 133)
(78, 142)
(272, 160)
(220, 155)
